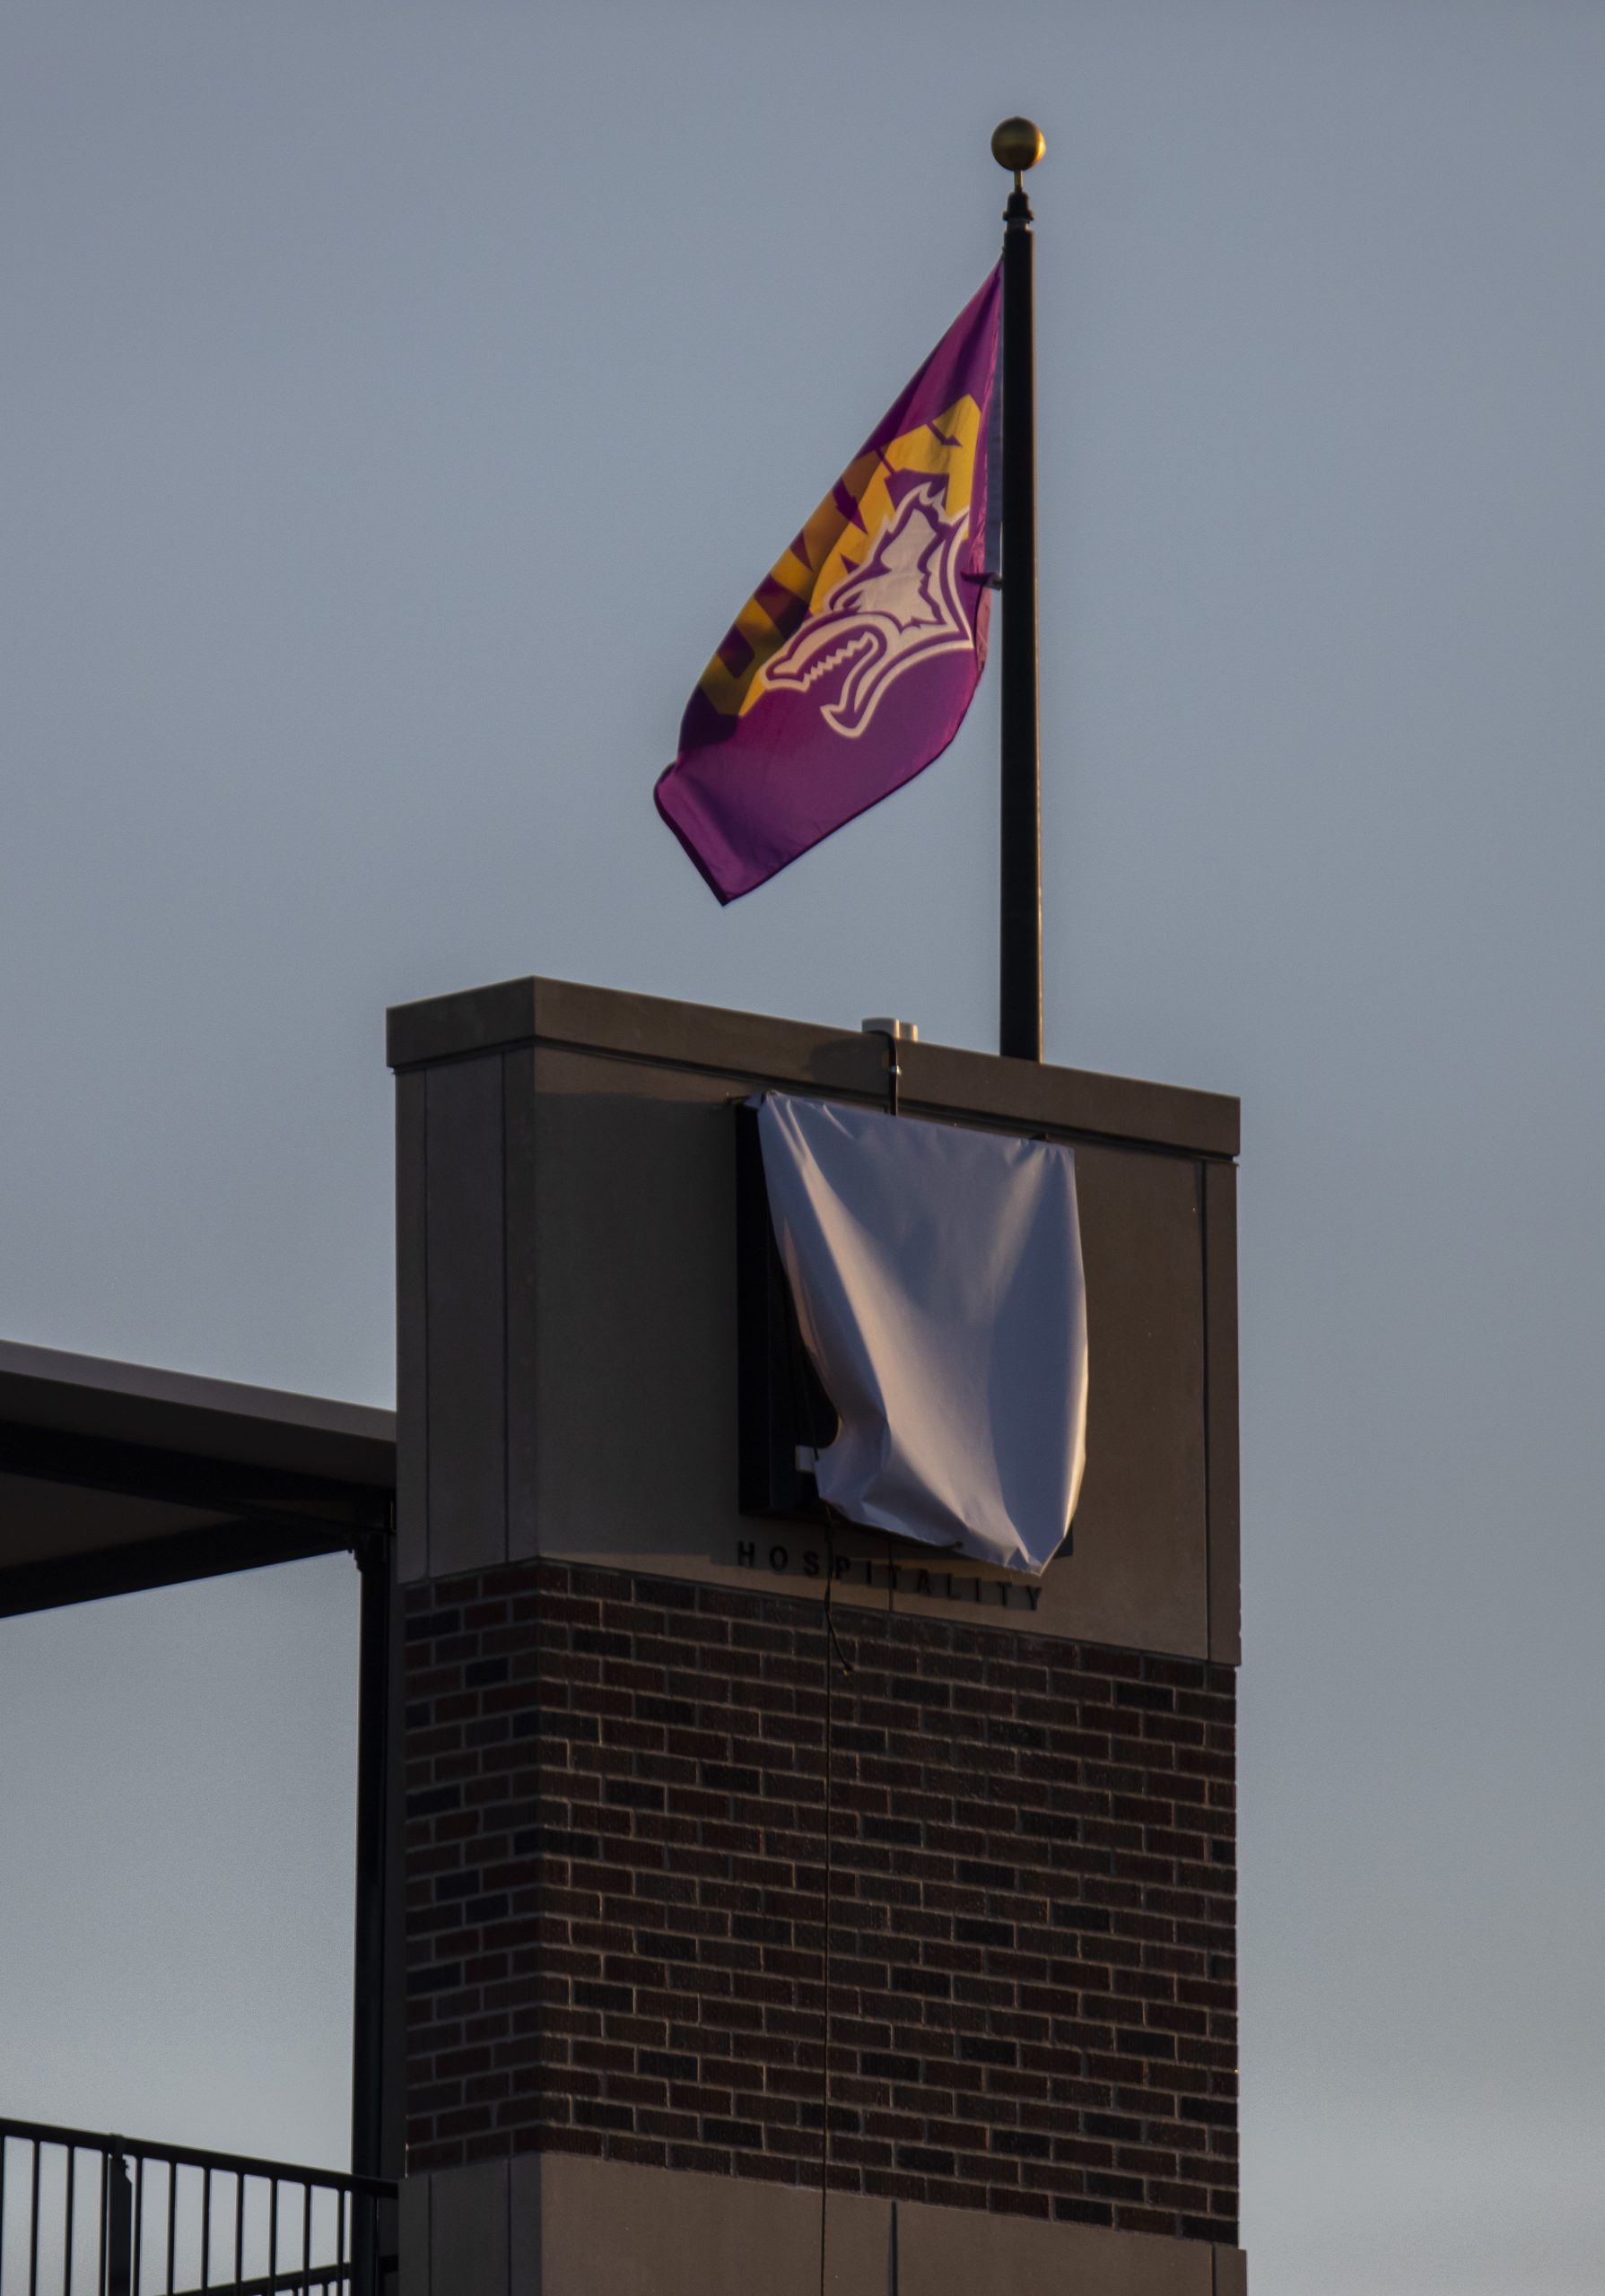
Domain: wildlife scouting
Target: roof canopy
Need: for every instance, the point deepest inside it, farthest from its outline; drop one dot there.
(115, 1476)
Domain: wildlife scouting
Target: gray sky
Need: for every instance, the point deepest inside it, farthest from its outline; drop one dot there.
(398, 401)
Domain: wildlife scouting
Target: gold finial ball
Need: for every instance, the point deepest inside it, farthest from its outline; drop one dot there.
(1017, 145)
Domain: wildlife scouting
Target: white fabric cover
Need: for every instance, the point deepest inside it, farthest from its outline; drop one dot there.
(937, 1274)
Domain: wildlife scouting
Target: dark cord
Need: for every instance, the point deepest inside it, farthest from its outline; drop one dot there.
(825, 2073)
(804, 1414)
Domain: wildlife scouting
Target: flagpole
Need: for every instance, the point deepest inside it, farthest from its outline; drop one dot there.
(1018, 144)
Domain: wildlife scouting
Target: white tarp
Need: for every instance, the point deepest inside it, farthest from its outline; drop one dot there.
(937, 1274)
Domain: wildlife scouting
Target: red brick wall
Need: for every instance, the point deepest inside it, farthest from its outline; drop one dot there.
(616, 1878)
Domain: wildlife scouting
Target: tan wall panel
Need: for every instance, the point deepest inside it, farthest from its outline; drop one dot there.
(571, 2226)
(1139, 1567)
(635, 1287)
(468, 2231)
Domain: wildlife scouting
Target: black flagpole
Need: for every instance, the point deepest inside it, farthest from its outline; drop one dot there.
(1017, 145)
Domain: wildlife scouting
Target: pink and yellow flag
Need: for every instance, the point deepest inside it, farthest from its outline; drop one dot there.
(852, 664)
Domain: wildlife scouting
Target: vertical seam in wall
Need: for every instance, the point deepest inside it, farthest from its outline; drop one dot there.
(502, 1263)
(1202, 1180)
(533, 1302)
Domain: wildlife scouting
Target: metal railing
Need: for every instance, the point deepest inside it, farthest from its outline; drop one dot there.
(86, 2216)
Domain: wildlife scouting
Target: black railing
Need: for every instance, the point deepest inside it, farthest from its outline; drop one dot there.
(84, 2215)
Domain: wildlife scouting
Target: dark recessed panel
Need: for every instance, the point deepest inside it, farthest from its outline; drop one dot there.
(783, 1407)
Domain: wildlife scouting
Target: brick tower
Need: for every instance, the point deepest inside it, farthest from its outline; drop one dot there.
(717, 1895)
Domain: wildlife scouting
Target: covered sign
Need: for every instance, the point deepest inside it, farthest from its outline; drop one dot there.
(937, 1280)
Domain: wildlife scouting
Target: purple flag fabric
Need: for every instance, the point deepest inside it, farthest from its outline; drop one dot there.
(852, 664)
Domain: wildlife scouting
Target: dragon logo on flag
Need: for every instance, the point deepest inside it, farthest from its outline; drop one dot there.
(900, 607)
